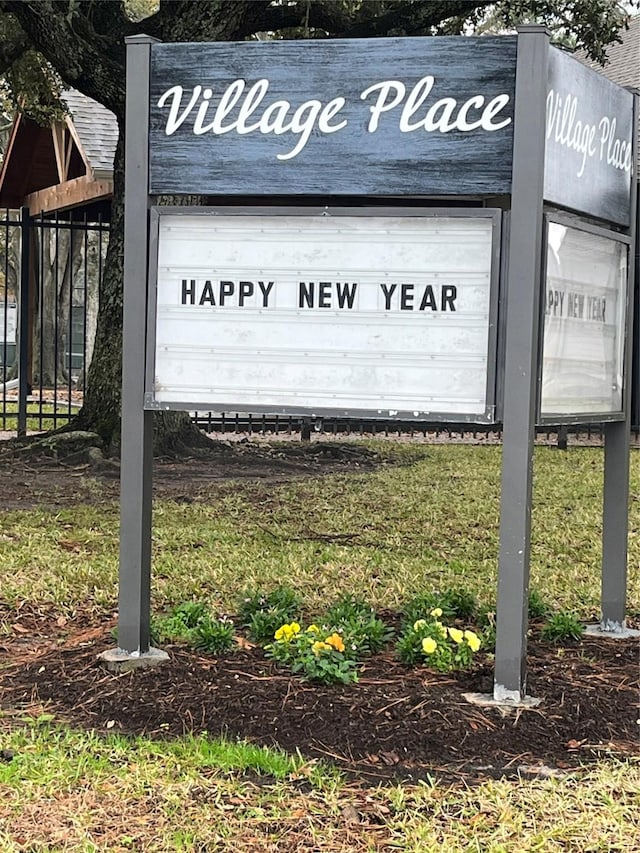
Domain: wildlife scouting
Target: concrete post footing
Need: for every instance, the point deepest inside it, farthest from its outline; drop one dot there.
(119, 660)
(504, 704)
(611, 631)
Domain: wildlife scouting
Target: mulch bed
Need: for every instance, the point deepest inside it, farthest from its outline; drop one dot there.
(395, 723)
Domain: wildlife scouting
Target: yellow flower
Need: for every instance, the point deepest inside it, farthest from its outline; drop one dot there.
(335, 641)
(442, 628)
(318, 647)
(473, 640)
(417, 626)
(287, 632)
(313, 629)
(429, 645)
(437, 612)
(456, 635)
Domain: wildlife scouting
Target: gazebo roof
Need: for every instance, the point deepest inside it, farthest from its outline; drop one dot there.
(66, 165)
(97, 131)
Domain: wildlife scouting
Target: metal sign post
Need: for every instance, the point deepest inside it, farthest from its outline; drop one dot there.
(137, 424)
(521, 352)
(615, 521)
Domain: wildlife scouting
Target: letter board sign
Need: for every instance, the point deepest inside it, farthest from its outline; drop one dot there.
(584, 323)
(416, 116)
(589, 141)
(382, 315)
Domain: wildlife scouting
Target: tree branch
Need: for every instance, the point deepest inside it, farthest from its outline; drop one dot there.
(12, 49)
(328, 15)
(411, 17)
(91, 62)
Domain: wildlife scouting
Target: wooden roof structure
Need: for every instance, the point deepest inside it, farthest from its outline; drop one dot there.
(64, 166)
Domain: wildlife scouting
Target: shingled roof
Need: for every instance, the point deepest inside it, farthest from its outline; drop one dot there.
(97, 131)
(65, 166)
(623, 62)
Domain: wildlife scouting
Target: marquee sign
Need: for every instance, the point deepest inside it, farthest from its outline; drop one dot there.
(589, 141)
(369, 311)
(348, 117)
(584, 323)
(389, 315)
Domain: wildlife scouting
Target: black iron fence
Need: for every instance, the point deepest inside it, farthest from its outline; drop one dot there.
(50, 272)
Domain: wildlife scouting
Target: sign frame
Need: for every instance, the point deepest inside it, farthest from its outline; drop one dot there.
(581, 224)
(517, 385)
(214, 120)
(601, 187)
(494, 215)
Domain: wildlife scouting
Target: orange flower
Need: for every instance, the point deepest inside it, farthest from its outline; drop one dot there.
(335, 641)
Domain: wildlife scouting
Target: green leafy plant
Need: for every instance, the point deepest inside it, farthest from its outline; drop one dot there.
(486, 621)
(213, 635)
(192, 623)
(561, 627)
(363, 632)
(317, 654)
(263, 613)
(538, 607)
(439, 646)
(455, 603)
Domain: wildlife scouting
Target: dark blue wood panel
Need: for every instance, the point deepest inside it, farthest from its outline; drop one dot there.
(354, 159)
(588, 154)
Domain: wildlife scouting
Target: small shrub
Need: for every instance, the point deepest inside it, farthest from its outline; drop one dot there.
(263, 613)
(437, 645)
(455, 603)
(317, 654)
(538, 607)
(213, 635)
(192, 623)
(363, 632)
(177, 626)
(561, 627)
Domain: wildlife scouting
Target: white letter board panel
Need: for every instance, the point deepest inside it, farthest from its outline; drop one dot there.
(387, 315)
(585, 311)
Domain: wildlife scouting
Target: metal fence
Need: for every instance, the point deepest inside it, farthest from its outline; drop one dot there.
(50, 271)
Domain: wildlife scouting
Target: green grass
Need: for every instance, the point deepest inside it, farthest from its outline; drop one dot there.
(384, 536)
(73, 791)
(37, 420)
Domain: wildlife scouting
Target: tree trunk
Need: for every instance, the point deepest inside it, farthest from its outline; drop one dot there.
(60, 257)
(173, 431)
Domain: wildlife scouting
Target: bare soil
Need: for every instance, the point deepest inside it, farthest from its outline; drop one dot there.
(395, 723)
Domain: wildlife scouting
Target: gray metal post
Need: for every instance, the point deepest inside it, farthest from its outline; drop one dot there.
(23, 352)
(137, 425)
(521, 351)
(615, 519)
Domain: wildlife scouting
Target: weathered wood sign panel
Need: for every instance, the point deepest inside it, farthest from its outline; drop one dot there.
(387, 316)
(589, 141)
(418, 116)
(584, 323)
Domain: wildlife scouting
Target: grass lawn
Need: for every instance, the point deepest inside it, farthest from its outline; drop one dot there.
(388, 534)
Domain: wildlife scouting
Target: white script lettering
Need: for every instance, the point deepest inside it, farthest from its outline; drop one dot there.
(569, 131)
(244, 109)
(444, 115)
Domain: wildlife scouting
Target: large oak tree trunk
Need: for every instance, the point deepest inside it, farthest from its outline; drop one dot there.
(174, 432)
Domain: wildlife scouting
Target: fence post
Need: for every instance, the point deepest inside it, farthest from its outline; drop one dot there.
(23, 352)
